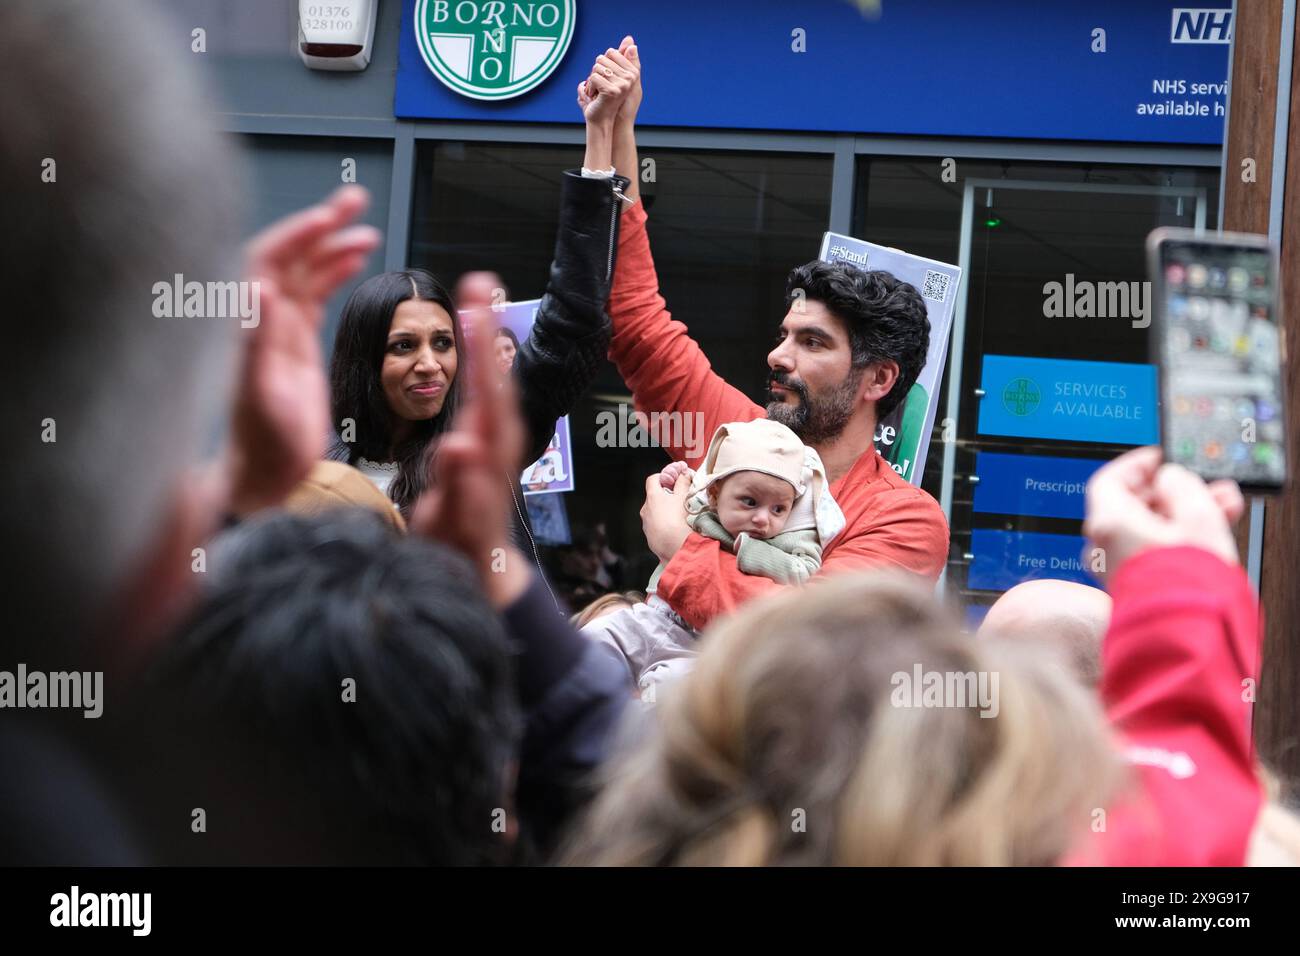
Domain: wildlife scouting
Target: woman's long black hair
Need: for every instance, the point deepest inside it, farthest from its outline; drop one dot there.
(356, 392)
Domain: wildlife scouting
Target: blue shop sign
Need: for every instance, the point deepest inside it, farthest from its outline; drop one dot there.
(1108, 70)
(1002, 559)
(1068, 400)
(1032, 484)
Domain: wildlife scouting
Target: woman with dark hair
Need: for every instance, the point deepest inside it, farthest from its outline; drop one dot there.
(393, 375)
(505, 346)
(393, 378)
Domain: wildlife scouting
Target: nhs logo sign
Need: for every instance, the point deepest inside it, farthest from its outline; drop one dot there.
(1201, 25)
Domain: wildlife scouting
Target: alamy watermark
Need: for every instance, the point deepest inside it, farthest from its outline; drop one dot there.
(129, 910)
(626, 428)
(1098, 300)
(208, 300)
(59, 689)
(922, 688)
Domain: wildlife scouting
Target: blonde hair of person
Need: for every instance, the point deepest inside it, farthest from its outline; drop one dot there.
(788, 745)
(604, 605)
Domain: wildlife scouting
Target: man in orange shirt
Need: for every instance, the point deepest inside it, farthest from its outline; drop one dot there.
(849, 348)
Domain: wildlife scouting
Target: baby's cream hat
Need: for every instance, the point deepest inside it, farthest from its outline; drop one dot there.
(760, 445)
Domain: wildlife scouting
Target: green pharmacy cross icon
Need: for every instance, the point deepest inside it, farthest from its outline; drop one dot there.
(491, 50)
(1021, 396)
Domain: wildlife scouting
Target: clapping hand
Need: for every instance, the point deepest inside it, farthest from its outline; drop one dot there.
(475, 468)
(281, 419)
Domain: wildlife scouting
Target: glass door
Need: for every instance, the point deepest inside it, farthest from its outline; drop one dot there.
(1050, 374)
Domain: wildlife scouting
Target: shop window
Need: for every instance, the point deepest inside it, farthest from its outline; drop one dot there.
(1015, 499)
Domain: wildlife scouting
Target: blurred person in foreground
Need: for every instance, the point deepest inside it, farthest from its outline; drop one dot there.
(367, 703)
(111, 407)
(1182, 646)
(782, 746)
(793, 741)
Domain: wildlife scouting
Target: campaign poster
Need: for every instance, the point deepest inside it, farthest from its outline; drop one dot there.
(553, 472)
(903, 436)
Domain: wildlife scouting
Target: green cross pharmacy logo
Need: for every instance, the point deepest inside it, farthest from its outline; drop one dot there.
(493, 50)
(1021, 396)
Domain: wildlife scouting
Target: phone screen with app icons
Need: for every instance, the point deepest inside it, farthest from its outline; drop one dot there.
(1218, 345)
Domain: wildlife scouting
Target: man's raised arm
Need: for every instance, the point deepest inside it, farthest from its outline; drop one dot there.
(662, 365)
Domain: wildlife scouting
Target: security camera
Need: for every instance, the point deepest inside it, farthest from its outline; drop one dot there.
(336, 36)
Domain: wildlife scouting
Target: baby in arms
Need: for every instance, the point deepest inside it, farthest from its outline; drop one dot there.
(760, 492)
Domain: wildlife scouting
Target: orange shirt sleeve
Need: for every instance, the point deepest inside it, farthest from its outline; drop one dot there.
(662, 365)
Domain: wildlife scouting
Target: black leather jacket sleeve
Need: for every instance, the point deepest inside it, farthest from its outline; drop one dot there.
(570, 335)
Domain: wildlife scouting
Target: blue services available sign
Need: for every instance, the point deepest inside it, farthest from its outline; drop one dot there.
(1005, 558)
(1069, 400)
(1110, 70)
(1032, 484)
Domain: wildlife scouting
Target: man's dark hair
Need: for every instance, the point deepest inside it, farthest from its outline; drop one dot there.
(251, 716)
(885, 318)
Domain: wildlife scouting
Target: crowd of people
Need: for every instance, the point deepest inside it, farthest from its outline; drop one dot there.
(320, 611)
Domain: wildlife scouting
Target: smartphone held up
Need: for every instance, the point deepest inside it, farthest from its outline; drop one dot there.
(1219, 347)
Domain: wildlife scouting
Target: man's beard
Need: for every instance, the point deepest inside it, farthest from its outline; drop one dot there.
(816, 420)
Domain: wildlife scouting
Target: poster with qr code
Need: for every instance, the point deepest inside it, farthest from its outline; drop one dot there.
(903, 436)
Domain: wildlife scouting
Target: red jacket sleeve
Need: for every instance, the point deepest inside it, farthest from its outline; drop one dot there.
(662, 365)
(1178, 669)
(905, 528)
